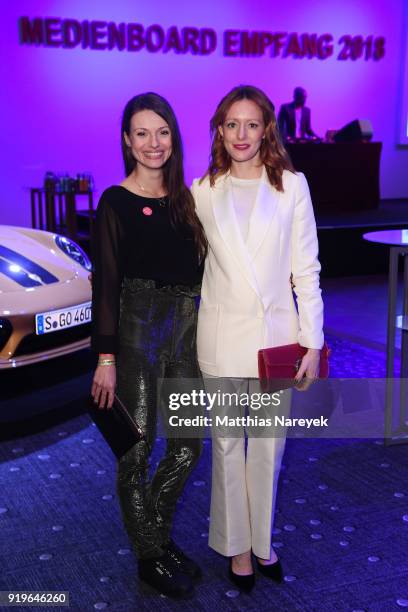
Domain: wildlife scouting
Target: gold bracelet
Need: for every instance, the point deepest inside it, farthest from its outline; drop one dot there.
(106, 362)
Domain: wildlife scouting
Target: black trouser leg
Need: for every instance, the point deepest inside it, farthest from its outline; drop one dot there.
(157, 332)
(169, 480)
(182, 454)
(148, 508)
(133, 467)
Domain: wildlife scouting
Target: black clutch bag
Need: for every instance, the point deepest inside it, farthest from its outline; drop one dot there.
(117, 426)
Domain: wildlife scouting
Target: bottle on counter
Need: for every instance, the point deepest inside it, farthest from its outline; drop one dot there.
(85, 182)
(50, 182)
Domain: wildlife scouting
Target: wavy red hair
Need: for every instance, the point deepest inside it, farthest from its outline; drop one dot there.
(273, 154)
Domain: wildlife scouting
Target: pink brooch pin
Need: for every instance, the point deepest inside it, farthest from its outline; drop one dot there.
(147, 211)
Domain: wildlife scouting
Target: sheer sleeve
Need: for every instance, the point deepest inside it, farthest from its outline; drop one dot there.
(106, 278)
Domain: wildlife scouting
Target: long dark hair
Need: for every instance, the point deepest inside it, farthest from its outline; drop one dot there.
(181, 203)
(272, 152)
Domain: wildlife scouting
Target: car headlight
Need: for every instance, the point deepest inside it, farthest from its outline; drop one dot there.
(5, 332)
(70, 248)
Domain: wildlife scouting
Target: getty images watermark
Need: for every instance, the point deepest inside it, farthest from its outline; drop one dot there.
(330, 408)
(226, 402)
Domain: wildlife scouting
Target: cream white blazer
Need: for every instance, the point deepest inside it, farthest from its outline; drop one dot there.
(247, 302)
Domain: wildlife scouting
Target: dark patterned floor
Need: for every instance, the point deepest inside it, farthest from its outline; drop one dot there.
(341, 527)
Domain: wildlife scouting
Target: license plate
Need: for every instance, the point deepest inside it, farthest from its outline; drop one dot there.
(47, 322)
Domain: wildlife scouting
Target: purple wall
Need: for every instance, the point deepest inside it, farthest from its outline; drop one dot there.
(61, 108)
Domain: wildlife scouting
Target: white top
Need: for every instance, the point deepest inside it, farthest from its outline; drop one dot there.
(244, 192)
(298, 116)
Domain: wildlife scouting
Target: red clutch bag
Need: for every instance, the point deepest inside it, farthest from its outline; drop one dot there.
(281, 363)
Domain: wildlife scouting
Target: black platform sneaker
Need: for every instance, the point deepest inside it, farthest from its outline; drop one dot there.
(184, 563)
(162, 574)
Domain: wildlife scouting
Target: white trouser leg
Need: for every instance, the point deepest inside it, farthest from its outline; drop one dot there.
(264, 458)
(243, 489)
(263, 463)
(230, 531)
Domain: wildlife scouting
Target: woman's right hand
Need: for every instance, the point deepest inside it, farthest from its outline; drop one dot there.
(103, 386)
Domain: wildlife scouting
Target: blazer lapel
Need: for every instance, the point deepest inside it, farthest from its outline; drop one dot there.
(265, 207)
(223, 207)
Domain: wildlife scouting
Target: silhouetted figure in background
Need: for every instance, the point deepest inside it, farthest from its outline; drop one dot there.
(294, 118)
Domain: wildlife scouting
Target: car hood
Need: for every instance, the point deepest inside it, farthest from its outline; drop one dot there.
(37, 254)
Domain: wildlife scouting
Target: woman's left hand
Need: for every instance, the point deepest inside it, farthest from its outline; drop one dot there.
(309, 370)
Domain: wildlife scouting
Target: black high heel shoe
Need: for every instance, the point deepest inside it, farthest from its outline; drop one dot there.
(244, 583)
(273, 571)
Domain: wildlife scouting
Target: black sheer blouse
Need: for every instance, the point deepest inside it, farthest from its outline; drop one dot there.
(134, 238)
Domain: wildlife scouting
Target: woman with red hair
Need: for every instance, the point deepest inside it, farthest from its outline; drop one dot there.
(258, 218)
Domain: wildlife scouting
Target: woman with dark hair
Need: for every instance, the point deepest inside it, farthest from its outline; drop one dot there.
(148, 251)
(258, 218)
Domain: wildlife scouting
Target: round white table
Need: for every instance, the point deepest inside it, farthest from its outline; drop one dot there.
(397, 240)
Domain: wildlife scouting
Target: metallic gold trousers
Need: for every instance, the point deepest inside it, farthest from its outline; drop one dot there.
(157, 332)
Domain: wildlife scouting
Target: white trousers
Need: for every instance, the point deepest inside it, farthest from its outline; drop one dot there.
(244, 486)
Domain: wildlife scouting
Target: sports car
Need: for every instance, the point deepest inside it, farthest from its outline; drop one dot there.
(45, 296)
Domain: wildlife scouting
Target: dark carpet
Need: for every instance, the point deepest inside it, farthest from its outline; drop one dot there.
(341, 527)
